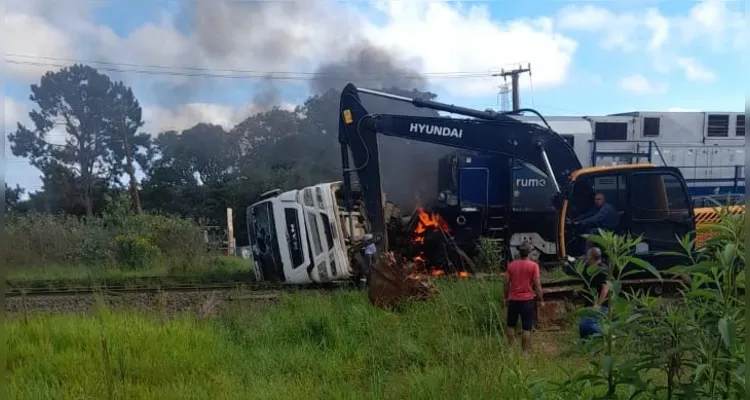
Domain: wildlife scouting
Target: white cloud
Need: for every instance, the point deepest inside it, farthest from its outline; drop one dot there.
(714, 21)
(14, 112)
(446, 37)
(31, 35)
(450, 38)
(639, 84)
(662, 37)
(694, 71)
(616, 31)
(710, 20)
(659, 27)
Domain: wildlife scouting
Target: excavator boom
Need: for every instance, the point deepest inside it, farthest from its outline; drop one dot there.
(485, 131)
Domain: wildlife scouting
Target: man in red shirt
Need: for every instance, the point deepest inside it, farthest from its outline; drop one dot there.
(522, 280)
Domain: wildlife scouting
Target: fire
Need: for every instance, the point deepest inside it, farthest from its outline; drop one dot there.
(437, 273)
(425, 221)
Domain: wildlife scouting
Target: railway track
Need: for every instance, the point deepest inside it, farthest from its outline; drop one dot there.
(243, 286)
(554, 290)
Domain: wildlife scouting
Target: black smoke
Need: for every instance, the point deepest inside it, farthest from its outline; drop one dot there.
(225, 31)
(408, 168)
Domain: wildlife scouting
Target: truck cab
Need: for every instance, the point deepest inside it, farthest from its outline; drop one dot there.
(297, 237)
(652, 202)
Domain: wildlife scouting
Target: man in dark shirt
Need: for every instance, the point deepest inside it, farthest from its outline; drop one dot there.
(589, 324)
(604, 216)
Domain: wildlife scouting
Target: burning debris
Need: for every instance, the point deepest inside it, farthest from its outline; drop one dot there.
(390, 283)
(425, 248)
(426, 221)
(430, 246)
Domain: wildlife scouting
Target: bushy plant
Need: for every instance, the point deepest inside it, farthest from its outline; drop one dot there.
(490, 254)
(35, 240)
(117, 238)
(135, 251)
(689, 348)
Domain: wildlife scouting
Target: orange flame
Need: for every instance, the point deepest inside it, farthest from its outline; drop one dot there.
(427, 220)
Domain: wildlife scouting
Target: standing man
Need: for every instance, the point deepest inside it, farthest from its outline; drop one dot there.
(368, 253)
(589, 325)
(522, 280)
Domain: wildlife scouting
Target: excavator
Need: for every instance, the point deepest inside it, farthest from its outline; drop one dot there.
(313, 234)
(652, 201)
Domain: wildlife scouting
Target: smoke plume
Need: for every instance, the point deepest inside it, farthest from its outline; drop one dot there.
(409, 169)
(278, 34)
(265, 34)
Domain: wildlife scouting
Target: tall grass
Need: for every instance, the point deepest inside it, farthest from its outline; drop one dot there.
(453, 347)
(306, 347)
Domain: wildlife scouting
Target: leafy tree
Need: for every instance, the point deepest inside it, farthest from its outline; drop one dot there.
(126, 142)
(12, 197)
(98, 116)
(205, 152)
(259, 132)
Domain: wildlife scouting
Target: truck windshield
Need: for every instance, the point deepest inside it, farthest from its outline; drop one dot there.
(265, 246)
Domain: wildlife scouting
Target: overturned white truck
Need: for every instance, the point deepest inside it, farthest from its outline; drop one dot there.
(306, 235)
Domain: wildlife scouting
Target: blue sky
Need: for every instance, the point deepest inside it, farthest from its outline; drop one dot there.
(586, 58)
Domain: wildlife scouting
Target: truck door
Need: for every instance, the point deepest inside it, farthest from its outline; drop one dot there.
(296, 242)
(317, 270)
(660, 210)
(324, 265)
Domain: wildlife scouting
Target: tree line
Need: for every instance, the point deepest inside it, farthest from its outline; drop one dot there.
(195, 173)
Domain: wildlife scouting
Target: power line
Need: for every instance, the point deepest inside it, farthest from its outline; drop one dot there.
(188, 71)
(203, 69)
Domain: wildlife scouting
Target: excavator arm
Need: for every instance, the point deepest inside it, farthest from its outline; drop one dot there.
(486, 131)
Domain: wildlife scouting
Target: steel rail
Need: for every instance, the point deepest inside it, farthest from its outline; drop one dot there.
(553, 290)
(123, 289)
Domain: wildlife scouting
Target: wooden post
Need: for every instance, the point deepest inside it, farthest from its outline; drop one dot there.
(230, 233)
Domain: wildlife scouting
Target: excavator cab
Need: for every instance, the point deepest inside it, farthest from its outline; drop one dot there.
(651, 202)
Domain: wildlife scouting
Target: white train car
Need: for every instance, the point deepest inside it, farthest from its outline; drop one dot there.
(708, 147)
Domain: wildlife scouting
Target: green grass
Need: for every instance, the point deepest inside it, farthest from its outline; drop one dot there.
(217, 268)
(306, 347)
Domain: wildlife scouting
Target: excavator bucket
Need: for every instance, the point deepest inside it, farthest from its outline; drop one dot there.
(391, 284)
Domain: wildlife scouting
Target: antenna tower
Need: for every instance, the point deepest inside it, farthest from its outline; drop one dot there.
(503, 96)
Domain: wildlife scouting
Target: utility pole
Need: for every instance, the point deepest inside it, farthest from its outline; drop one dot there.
(514, 73)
